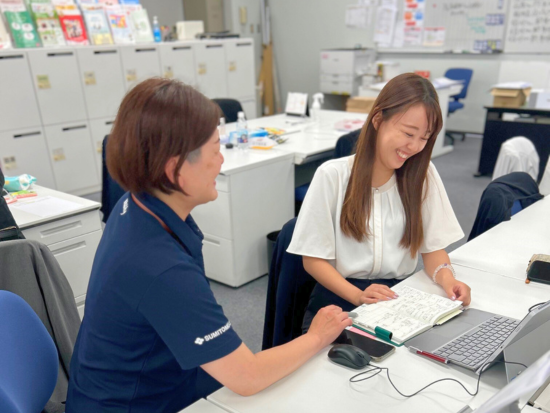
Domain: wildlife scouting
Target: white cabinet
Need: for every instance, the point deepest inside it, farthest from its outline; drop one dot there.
(57, 85)
(240, 69)
(178, 62)
(72, 157)
(25, 151)
(99, 128)
(211, 70)
(18, 106)
(236, 224)
(102, 80)
(249, 108)
(341, 69)
(139, 63)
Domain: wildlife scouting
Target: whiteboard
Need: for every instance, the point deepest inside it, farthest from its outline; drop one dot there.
(468, 25)
(528, 28)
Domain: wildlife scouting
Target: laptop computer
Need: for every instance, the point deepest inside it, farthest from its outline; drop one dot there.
(475, 337)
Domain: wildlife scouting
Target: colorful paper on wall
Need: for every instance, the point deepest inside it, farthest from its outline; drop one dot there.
(12, 5)
(412, 36)
(47, 23)
(97, 24)
(385, 24)
(434, 36)
(22, 29)
(143, 31)
(121, 26)
(72, 24)
(5, 41)
(413, 14)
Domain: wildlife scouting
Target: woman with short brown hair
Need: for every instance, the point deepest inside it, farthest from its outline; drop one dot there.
(153, 335)
(366, 217)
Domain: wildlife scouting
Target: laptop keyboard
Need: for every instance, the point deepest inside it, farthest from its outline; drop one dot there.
(474, 347)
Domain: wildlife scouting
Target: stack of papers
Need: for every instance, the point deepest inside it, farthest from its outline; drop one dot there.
(378, 86)
(512, 85)
(444, 82)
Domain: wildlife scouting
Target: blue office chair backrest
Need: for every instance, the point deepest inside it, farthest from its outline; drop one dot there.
(28, 358)
(460, 74)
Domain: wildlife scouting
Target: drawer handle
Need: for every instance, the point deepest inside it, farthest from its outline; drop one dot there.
(60, 54)
(212, 241)
(181, 48)
(73, 128)
(105, 52)
(15, 56)
(24, 135)
(63, 250)
(211, 46)
(109, 122)
(244, 44)
(61, 228)
(152, 49)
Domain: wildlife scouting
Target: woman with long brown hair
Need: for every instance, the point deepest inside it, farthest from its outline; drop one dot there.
(366, 217)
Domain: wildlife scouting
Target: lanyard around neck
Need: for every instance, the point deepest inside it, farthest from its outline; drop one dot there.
(161, 222)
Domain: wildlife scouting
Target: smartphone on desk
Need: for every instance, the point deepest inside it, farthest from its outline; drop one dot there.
(374, 348)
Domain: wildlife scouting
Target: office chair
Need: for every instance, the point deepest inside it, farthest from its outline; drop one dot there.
(28, 358)
(111, 191)
(504, 197)
(466, 76)
(230, 109)
(517, 155)
(345, 146)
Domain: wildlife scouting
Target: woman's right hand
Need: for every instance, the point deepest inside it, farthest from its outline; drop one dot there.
(375, 293)
(328, 323)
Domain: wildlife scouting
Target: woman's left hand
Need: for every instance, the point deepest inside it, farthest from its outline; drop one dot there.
(457, 290)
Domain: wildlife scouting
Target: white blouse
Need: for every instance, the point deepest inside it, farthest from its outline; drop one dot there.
(318, 234)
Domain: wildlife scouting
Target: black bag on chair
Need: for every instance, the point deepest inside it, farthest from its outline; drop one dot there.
(8, 228)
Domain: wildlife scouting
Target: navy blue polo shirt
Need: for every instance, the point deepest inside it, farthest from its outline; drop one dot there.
(150, 318)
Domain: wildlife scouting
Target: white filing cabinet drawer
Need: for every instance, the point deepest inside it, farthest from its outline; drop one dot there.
(241, 73)
(99, 128)
(76, 261)
(72, 157)
(218, 259)
(215, 217)
(222, 183)
(178, 62)
(337, 61)
(17, 99)
(139, 63)
(211, 70)
(57, 85)
(102, 80)
(25, 151)
(63, 229)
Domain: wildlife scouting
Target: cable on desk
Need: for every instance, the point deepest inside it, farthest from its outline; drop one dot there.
(376, 370)
(536, 305)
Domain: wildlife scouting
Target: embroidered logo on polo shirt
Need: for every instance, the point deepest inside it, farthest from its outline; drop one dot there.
(200, 340)
(124, 207)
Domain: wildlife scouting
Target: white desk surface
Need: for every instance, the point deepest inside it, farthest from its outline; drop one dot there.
(321, 386)
(238, 160)
(507, 248)
(27, 220)
(202, 406)
(305, 142)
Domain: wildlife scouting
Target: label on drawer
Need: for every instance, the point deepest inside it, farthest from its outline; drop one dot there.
(58, 155)
(202, 69)
(9, 163)
(232, 66)
(89, 78)
(131, 75)
(43, 82)
(168, 72)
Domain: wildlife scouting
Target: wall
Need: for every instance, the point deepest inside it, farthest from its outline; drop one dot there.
(168, 11)
(302, 28)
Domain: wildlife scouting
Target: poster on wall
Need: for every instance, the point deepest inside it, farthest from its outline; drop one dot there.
(412, 36)
(385, 25)
(434, 36)
(413, 13)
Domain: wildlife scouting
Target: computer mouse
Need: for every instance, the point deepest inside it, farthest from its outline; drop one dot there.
(349, 356)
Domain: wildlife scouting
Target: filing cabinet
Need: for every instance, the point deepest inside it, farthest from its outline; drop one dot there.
(210, 69)
(99, 128)
(178, 62)
(139, 63)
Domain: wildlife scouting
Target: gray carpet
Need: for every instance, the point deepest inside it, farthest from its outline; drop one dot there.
(245, 306)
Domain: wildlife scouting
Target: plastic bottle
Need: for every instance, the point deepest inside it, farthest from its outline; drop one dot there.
(318, 99)
(223, 134)
(242, 130)
(156, 30)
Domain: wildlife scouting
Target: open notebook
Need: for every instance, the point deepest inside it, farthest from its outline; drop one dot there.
(407, 316)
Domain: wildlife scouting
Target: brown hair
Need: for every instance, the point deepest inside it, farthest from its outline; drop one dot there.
(157, 120)
(401, 93)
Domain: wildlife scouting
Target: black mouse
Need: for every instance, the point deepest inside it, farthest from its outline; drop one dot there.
(349, 356)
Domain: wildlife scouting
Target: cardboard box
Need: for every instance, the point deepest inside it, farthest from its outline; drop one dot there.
(539, 99)
(360, 104)
(509, 98)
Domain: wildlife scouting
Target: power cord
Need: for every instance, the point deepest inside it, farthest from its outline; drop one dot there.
(536, 305)
(376, 370)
